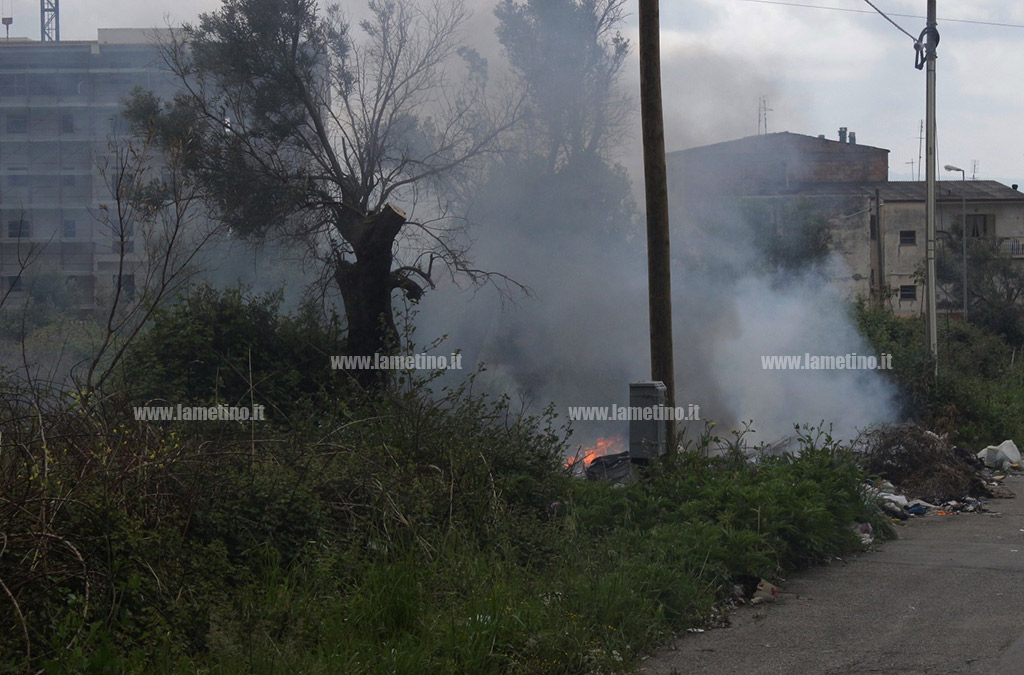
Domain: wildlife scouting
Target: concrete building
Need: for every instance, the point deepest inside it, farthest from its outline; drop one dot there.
(877, 226)
(59, 109)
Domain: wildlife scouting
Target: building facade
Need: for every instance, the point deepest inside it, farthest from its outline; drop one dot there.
(877, 226)
(59, 112)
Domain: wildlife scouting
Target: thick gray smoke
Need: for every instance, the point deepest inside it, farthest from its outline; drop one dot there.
(584, 336)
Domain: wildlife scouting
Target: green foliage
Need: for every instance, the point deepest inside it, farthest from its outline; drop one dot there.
(995, 284)
(229, 347)
(418, 532)
(980, 388)
(568, 55)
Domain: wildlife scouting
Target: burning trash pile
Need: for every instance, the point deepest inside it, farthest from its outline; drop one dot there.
(922, 472)
(608, 459)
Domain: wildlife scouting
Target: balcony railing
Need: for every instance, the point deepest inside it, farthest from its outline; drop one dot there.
(1012, 246)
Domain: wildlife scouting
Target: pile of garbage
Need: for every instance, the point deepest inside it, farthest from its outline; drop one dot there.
(925, 466)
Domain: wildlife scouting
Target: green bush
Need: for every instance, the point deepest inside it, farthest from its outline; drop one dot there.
(980, 386)
(417, 531)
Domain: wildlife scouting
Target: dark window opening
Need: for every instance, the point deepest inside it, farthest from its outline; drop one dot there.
(908, 292)
(978, 225)
(69, 229)
(908, 237)
(17, 123)
(18, 229)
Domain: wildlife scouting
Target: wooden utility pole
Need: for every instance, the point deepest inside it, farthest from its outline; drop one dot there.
(931, 43)
(659, 273)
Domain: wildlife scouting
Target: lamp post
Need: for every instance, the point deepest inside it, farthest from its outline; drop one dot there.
(963, 221)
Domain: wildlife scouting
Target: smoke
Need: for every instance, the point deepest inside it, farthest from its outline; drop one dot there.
(583, 336)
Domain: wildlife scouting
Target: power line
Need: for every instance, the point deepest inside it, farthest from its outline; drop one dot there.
(899, 27)
(868, 11)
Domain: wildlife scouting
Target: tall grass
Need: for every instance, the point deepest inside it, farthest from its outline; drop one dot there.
(417, 532)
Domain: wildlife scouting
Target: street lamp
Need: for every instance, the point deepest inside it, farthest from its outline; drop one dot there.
(963, 202)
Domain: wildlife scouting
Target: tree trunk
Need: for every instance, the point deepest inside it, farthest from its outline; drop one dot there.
(366, 286)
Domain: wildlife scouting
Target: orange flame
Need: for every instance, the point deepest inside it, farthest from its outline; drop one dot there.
(608, 445)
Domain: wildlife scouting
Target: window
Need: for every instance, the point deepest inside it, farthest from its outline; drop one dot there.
(17, 123)
(908, 237)
(67, 123)
(67, 179)
(978, 224)
(17, 179)
(14, 283)
(42, 84)
(18, 229)
(69, 229)
(129, 246)
(908, 292)
(874, 227)
(12, 85)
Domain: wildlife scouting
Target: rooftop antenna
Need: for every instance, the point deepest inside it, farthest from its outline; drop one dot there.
(8, 17)
(49, 20)
(912, 164)
(762, 115)
(974, 169)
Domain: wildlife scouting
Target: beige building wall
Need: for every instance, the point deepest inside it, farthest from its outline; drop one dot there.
(904, 231)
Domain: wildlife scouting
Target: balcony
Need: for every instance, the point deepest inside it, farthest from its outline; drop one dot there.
(1012, 246)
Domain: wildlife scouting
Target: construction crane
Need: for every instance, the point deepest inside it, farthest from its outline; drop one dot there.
(49, 20)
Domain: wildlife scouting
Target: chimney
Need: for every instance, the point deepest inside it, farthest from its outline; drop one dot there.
(853, 138)
(1015, 186)
(842, 134)
(821, 135)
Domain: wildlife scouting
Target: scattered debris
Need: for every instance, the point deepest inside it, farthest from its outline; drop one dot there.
(1004, 456)
(923, 464)
(866, 533)
(765, 592)
(894, 511)
(615, 468)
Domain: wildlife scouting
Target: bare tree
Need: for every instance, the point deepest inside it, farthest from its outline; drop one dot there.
(296, 130)
(157, 226)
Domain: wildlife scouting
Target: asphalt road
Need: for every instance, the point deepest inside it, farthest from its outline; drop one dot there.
(947, 598)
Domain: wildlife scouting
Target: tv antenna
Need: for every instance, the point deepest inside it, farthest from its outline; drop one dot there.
(974, 169)
(762, 115)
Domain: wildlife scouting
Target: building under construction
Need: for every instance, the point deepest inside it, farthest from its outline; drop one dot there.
(59, 111)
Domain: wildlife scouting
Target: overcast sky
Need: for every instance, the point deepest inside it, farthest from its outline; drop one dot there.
(819, 70)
